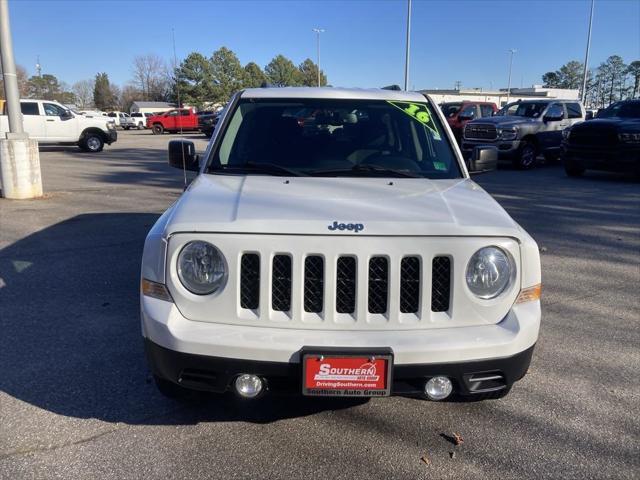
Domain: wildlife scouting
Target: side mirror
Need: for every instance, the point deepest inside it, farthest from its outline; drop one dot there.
(553, 117)
(66, 115)
(588, 115)
(483, 159)
(182, 154)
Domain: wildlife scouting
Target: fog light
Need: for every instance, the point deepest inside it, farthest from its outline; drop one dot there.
(248, 386)
(438, 388)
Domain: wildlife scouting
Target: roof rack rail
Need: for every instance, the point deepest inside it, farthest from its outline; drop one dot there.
(395, 88)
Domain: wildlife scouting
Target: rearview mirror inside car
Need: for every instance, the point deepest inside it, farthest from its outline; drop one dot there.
(483, 159)
(182, 154)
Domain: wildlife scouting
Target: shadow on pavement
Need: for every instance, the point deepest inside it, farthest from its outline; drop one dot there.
(71, 342)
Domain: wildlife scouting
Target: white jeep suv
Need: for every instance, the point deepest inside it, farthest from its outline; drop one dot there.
(333, 244)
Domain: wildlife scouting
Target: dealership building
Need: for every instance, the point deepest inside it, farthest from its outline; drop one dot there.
(499, 97)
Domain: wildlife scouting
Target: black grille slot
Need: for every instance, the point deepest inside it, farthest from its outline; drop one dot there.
(250, 281)
(378, 284)
(410, 285)
(346, 285)
(281, 283)
(440, 284)
(313, 284)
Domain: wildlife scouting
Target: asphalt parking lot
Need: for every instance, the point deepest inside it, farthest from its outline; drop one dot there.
(77, 401)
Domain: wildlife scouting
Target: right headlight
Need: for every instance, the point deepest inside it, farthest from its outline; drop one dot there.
(490, 272)
(510, 133)
(201, 268)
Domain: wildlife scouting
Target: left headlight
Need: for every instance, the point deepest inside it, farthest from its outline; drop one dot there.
(201, 268)
(490, 272)
(111, 126)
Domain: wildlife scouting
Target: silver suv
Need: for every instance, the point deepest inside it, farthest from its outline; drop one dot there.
(523, 130)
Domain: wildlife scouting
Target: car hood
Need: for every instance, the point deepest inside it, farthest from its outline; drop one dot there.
(631, 125)
(505, 121)
(303, 205)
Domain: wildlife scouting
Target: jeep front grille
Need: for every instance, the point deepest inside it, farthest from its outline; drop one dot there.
(440, 284)
(250, 281)
(480, 131)
(379, 288)
(378, 284)
(346, 276)
(410, 285)
(281, 283)
(313, 284)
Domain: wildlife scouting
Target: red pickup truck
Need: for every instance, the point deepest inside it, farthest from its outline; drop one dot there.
(173, 121)
(458, 114)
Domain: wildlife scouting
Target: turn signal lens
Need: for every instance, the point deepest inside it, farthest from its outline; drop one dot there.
(530, 294)
(155, 290)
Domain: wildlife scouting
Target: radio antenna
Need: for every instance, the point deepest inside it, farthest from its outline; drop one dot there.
(175, 67)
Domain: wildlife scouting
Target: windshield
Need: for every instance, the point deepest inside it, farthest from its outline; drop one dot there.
(335, 138)
(621, 110)
(528, 109)
(450, 109)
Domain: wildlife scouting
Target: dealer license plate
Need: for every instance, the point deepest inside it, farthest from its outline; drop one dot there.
(357, 375)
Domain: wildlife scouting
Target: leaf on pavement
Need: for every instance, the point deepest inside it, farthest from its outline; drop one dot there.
(425, 460)
(457, 438)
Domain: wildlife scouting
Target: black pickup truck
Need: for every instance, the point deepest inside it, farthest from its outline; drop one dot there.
(610, 142)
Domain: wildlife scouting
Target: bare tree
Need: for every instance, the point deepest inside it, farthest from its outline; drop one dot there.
(23, 80)
(83, 90)
(149, 75)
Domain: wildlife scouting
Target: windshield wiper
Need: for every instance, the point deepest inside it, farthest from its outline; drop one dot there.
(358, 169)
(268, 168)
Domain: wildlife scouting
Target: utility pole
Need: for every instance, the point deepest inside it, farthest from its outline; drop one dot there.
(20, 176)
(318, 32)
(511, 52)
(586, 57)
(457, 85)
(408, 47)
(38, 67)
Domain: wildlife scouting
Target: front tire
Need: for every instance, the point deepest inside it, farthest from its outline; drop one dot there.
(157, 129)
(140, 126)
(126, 128)
(92, 143)
(526, 156)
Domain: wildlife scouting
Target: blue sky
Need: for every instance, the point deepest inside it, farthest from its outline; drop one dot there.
(363, 45)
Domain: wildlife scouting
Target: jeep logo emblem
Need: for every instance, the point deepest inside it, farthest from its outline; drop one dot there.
(354, 227)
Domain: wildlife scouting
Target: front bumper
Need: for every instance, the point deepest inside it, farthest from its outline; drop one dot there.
(623, 158)
(216, 374)
(182, 350)
(507, 149)
(112, 136)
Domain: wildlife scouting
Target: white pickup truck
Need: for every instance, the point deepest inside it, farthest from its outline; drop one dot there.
(122, 120)
(50, 122)
(334, 244)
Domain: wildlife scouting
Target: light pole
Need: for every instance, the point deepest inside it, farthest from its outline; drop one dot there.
(408, 47)
(511, 52)
(586, 57)
(20, 176)
(318, 32)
